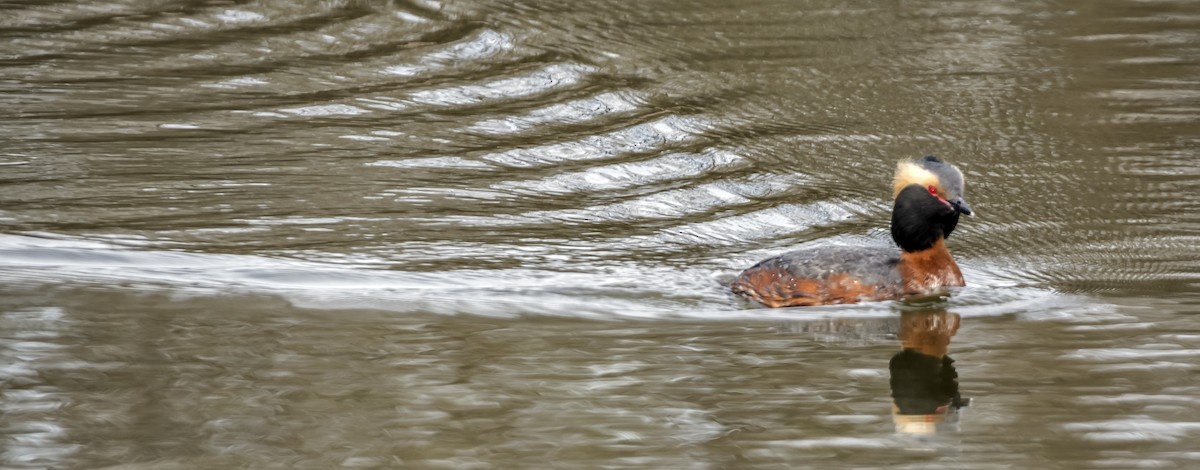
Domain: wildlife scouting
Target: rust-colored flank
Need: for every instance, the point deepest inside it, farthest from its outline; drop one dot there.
(775, 287)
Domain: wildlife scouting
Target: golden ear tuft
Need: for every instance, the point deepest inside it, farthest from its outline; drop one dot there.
(907, 173)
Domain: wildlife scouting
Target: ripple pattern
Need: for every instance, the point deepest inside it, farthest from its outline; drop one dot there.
(422, 135)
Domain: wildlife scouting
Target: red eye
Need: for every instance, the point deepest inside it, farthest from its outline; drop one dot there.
(932, 190)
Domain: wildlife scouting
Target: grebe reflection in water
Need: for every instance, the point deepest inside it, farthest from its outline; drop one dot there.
(924, 381)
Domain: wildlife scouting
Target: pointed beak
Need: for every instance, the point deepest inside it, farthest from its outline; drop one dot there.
(961, 206)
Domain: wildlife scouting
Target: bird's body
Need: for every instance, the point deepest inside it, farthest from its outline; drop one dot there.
(844, 274)
(921, 220)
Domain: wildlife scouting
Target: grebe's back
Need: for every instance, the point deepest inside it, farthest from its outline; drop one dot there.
(820, 276)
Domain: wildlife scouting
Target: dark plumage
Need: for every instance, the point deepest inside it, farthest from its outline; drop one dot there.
(923, 384)
(928, 200)
(919, 221)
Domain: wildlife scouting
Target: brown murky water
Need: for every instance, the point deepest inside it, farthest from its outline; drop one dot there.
(420, 234)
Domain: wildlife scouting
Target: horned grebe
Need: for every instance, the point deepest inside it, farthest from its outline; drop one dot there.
(929, 198)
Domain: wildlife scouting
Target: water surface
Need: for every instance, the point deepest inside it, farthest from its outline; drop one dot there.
(279, 234)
